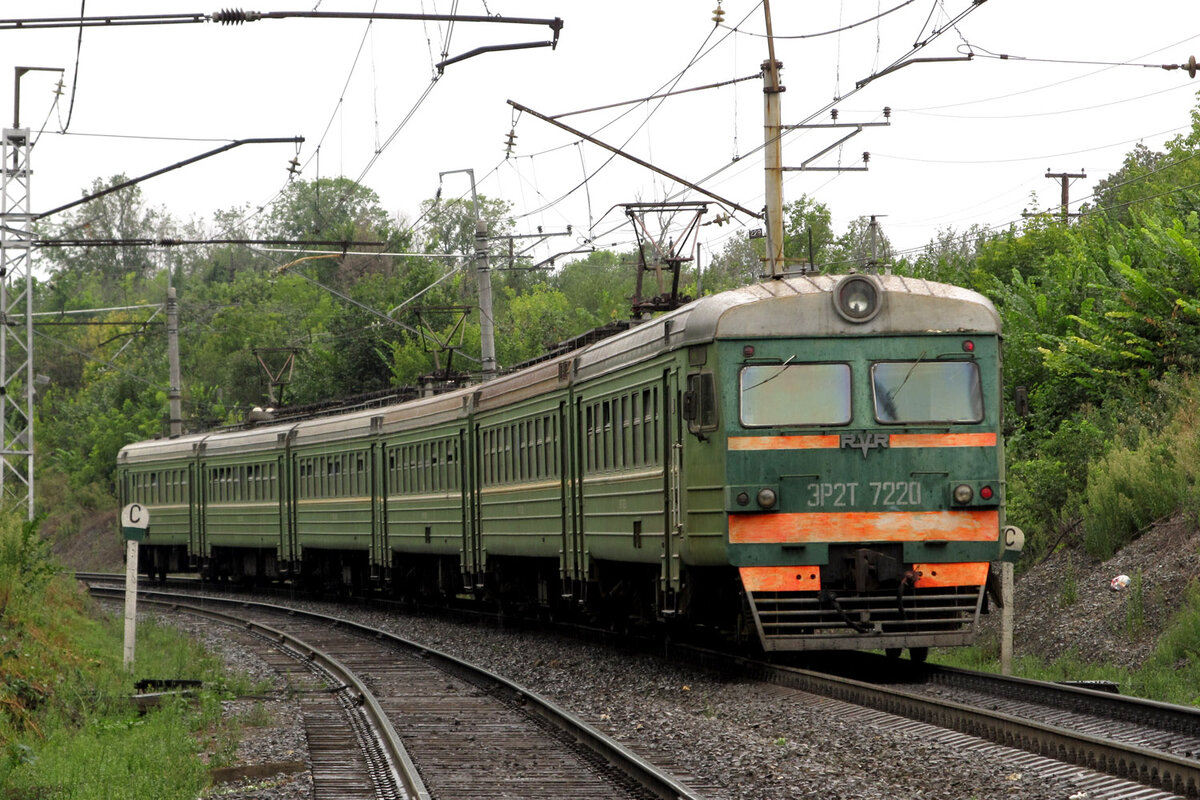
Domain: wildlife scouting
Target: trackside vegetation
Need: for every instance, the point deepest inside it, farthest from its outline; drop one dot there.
(67, 724)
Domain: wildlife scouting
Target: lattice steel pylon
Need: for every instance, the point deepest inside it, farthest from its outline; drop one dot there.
(16, 324)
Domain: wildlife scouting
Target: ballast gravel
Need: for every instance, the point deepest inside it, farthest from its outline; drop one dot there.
(724, 737)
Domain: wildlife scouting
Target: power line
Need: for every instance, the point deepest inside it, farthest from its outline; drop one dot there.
(852, 25)
(975, 50)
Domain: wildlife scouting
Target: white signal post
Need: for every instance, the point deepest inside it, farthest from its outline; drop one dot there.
(135, 521)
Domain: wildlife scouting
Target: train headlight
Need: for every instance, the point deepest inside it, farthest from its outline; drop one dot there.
(857, 298)
(963, 494)
(767, 498)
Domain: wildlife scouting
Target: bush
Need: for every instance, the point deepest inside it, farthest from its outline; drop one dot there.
(1127, 490)
(1045, 491)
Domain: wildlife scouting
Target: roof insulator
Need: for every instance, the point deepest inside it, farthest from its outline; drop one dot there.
(235, 16)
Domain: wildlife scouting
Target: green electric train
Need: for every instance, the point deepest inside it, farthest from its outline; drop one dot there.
(809, 463)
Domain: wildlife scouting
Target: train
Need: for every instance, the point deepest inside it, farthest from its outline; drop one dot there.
(814, 462)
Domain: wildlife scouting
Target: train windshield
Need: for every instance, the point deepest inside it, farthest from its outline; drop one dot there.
(780, 395)
(927, 391)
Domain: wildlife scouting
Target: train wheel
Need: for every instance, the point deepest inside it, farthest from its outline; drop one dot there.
(918, 654)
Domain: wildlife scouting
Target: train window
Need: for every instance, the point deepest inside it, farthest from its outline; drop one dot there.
(927, 391)
(638, 451)
(784, 395)
(529, 456)
(590, 435)
(700, 402)
(650, 429)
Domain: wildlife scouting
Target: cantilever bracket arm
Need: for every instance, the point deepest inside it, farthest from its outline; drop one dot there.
(634, 159)
(902, 64)
(157, 172)
(492, 48)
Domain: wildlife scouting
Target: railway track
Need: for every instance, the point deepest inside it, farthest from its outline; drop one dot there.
(1119, 747)
(1109, 746)
(466, 733)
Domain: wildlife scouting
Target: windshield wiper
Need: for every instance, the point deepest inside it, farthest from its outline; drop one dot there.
(891, 396)
(773, 377)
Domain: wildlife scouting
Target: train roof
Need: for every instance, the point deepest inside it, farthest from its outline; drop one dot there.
(790, 306)
(795, 306)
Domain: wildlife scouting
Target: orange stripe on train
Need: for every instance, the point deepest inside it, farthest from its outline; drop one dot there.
(834, 441)
(781, 579)
(808, 579)
(830, 442)
(943, 440)
(866, 526)
(964, 574)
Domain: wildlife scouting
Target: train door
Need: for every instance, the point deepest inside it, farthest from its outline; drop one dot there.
(572, 570)
(201, 509)
(195, 545)
(672, 492)
(285, 534)
(293, 502)
(472, 547)
(379, 549)
(384, 469)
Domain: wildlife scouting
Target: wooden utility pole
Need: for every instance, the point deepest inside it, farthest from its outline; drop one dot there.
(1066, 192)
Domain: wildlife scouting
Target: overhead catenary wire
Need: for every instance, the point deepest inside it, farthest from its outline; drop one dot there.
(839, 29)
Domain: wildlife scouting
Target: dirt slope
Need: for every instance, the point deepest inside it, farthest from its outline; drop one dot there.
(1066, 604)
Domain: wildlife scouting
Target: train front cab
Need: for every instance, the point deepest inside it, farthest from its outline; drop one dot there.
(865, 473)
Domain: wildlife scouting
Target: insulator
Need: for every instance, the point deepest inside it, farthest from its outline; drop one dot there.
(718, 15)
(833, 113)
(1191, 66)
(887, 112)
(866, 157)
(235, 16)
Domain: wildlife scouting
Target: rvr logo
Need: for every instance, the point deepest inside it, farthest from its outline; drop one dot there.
(865, 441)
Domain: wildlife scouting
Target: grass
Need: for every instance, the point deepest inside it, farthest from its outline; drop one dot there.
(67, 727)
(1170, 675)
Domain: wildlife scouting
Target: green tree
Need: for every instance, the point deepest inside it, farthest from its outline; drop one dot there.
(84, 274)
(802, 219)
(600, 285)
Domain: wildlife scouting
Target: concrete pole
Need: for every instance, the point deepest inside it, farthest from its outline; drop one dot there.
(174, 390)
(131, 587)
(487, 333)
(773, 153)
(1006, 617)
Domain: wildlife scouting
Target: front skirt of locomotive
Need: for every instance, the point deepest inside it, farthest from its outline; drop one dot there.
(866, 580)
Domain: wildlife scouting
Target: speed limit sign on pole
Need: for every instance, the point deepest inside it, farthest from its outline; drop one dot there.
(135, 521)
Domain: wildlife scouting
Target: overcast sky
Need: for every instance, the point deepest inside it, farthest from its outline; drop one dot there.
(968, 143)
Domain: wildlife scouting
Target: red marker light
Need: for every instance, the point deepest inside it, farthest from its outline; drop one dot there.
(969, 346)
(986, 493)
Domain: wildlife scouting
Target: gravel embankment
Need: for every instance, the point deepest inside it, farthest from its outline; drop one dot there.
(738, 739)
